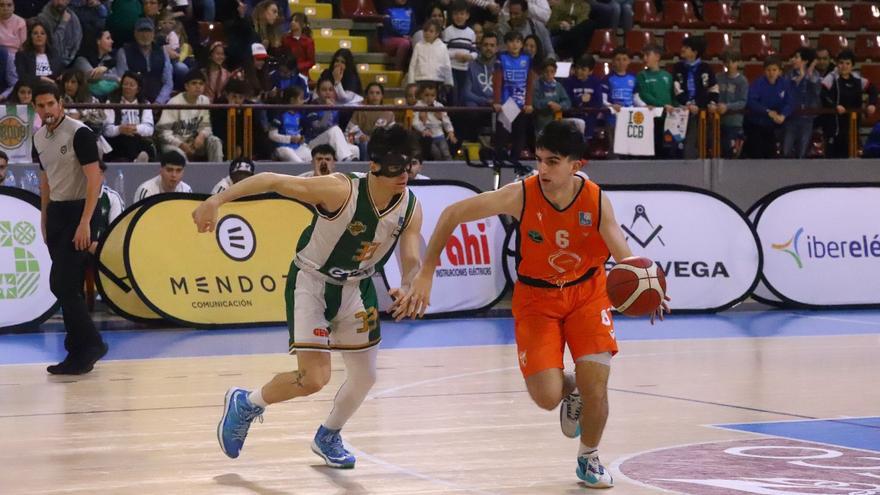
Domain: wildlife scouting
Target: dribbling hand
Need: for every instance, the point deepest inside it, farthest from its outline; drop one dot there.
(414, 302)
(663, 309)
(205, 216)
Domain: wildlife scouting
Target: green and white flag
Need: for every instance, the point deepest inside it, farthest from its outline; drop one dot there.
(16, 132)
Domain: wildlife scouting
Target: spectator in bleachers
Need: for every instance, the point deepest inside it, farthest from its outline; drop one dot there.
(169, 180)
(397, 32)
(620, 88)
(460, 39)
(239, 170)
(655, 90)
(322, 126)
(92, 15)
(434, 126)
(613, 14)
(237, 92)
(477, 90)
(549, 96)
(804, 86)
(152, 10)
(257, 74)
(287, 75)
(571, 27)
(286, 130)
(22, 94)
(479, 30)
(362, 122)
(283, 7)
(64, 28)
(437, 13)
(410, 98)
(351, 81)
(37, 58)
(521, 23)
(97, 62)
(75, 90)
(130, 130)
(13, 29)
(768, 106)
(843, 91)
(323, 161)
(533, 48)
(430, 59)
(172, 38)
(149, 60)
(733, 94)
(539, 11)
(122, 18)
(512, 80)
(6, 179)
(239, 27)
(585, 90)
(484, 11)
(189, 131)
(824, 64)
(299, 43)
(216, 75)
(695, 87)
(267, 26)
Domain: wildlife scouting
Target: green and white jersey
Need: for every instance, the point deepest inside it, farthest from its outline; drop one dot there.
(357, 239)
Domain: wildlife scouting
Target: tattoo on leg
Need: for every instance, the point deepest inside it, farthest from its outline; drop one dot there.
(298, 378)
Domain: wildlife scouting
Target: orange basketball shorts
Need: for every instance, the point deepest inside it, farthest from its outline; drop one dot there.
(546, 319)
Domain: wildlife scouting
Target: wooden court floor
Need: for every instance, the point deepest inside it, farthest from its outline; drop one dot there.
(441, 420)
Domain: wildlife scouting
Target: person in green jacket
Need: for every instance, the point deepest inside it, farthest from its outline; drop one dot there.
(549, 96)
(655, 89)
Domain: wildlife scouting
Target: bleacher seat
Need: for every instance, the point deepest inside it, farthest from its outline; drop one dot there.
(637, 39)
(871, 72)
(635, 67)
(602, 69)
(834, 43)
(719, 14)
(672, 41)
(868, 46)
(717, 42)
(753, 71)
(755, 15)
(793, 16)
(603, 42)
(645, 14)
(755, 45)
(680, 13)
(790, 42)
(864, 16)
(209, 32)
(829, 15)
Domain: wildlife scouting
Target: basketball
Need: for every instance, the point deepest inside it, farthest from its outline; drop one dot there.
(636, 286)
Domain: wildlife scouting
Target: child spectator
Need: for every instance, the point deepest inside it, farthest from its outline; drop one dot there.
(620, 89)
(437, 12)
(768, 106)
(842, 90)
(172, 36)
(257, 74)
(512, 80)
(286, 130)
(430, 59)
(299, 43)
(655, 90)
(322, 126)
(287, 75)
(695, 87)
(13, 28)
(351, 81)
(460, 39)
(237, 92)
(436, 125)
(189, 131)
(130, 130)
(216, 75)
(804, 86)
(75, 90)
(549, 96)
(733, 94)
(397, 34)
(410, 98)
(362, 123)
(585, 92)
(23, 94)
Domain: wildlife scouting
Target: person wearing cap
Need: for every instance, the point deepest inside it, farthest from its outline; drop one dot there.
(239, 170)
(169, 180)
(257, 73)
(189, 131)
(331, 300)
(149, 60)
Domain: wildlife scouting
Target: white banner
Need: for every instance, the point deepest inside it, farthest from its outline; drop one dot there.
(634, 131)
(762, 293)
(705, 246)
(24, 261)
(822, 245)
(16, 132)
(470, 275)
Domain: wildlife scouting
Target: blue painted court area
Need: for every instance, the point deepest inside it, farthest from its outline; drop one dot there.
(132, 341)
(856, 433)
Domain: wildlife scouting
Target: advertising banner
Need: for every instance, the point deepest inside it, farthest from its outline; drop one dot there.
(470, 276)
(821, 245)
(113, 281)
(233, 276)
(25, 296)
(16, 132)
(761, 293)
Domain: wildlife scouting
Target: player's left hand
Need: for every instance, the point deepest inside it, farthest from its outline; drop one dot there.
(205, 216)
(83, 237)
(414, 302)
(664, 308)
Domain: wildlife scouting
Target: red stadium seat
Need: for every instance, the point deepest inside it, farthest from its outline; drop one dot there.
(645, 14)
(793, 16)
(834, 43)
(635, 67)
(755, 45)
(672, 41)
(864, 16)
(680, 13)
(719, 14)
(602, 69)
(603, 43)
(636, 40)
(871, 72)
(756, 15)
(753, 71)
(717, 42)
(790, 42)
(868, 47)
(829, 15)
(361, 10)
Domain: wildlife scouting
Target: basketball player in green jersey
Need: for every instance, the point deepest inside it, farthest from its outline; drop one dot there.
(331, 300)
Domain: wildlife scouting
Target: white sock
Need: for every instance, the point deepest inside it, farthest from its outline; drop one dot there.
(256, 398)
(588, 451)
(360, 371)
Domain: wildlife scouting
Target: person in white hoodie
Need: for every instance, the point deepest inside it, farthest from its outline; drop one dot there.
(189, 131)
(430, 60)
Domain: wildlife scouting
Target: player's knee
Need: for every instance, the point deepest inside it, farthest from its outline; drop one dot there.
(546, 400)
(313, 380)
(595, 396)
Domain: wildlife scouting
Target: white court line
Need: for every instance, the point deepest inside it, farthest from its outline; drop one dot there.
(435, 380)
(843, 320)
(825, 444)
(838, 418)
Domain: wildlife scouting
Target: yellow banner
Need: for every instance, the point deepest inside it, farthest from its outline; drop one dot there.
(234, 276)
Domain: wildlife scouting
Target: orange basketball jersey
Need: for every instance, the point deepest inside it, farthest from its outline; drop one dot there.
(555, 246)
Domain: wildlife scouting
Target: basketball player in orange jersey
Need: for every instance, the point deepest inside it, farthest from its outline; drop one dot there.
(565, 233)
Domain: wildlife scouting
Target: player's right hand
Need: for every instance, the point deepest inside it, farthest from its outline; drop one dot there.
(205, 216)
(414, 302)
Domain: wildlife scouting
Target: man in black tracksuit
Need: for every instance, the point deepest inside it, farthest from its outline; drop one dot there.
(842, 91)
(694, 86)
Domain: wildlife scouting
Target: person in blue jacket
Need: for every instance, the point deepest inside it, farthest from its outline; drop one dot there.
(768, 106)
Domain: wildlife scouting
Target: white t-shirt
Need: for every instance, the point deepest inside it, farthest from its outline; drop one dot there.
(116, 202)
(634, 132)
(224, 184)
(43, 67)
(153, 187)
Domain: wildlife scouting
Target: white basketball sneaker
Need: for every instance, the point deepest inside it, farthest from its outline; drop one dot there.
(570, 415)
(593, 473)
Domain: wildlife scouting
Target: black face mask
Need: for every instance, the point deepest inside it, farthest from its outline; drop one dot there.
(392, 165)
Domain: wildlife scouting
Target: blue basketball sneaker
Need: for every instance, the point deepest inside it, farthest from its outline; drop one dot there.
(570, 415)
(238, 414)
(328, 445)
(593, 473)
